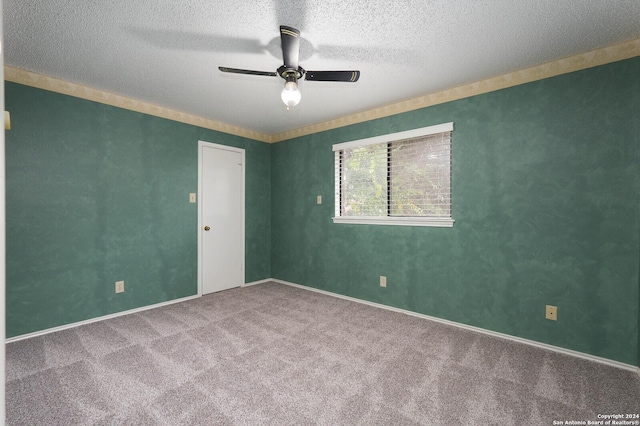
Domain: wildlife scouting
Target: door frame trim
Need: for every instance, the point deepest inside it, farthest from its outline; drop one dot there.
(201, 145)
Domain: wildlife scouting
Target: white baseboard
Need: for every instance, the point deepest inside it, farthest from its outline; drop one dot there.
(114, 315)
(558, 349)
(102, 318)
(256, 282)
(117, 314)
(553, 348)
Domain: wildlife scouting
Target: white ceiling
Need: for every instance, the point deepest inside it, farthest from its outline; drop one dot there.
(167, 52)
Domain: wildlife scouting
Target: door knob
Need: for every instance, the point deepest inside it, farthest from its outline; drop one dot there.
(206, 228)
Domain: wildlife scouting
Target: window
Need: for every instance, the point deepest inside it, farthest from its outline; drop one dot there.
(397, 179)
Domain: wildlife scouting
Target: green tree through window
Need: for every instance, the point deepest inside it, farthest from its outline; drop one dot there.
(402, 178)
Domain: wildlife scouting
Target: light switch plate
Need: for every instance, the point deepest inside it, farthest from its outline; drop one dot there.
(192, 197)
(119, 286)
(319, 199)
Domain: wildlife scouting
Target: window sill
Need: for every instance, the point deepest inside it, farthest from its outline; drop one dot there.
(402, 221)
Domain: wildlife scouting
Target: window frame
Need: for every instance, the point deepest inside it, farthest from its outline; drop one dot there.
(433, 221)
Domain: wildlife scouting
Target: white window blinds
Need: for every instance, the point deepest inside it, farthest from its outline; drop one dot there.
(404, 176)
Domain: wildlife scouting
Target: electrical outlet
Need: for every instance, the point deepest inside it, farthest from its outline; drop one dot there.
(552, 313)
(119, 286)
(383, 281)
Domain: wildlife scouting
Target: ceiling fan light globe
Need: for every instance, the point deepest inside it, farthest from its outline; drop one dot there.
(290, 94)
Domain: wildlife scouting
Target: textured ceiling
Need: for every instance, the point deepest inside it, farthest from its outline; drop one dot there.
(167, 52)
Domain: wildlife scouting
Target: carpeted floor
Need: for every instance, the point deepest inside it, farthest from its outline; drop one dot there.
(275, 354)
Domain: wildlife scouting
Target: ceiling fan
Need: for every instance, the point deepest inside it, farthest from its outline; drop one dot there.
(291, 71)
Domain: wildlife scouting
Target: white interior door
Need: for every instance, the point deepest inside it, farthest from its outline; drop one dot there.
(221, 217)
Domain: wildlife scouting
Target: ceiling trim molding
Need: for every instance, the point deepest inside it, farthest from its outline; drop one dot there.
(605, 55)
(28, 78)
(579, 62)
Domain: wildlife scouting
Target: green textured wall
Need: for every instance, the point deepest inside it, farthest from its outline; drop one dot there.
(97, 194)
(546, 184)
(546, 201)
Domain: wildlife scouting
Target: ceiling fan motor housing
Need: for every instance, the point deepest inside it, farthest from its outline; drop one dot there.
(286, 72)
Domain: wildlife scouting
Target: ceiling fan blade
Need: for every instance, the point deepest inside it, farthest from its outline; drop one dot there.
(250, 72)
(290, 39)
(346, 76)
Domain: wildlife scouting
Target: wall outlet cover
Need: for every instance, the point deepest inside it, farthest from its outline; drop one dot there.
(119, 286)
(552, 313)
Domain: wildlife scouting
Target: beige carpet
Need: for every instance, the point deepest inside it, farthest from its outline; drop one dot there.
(274, 354)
